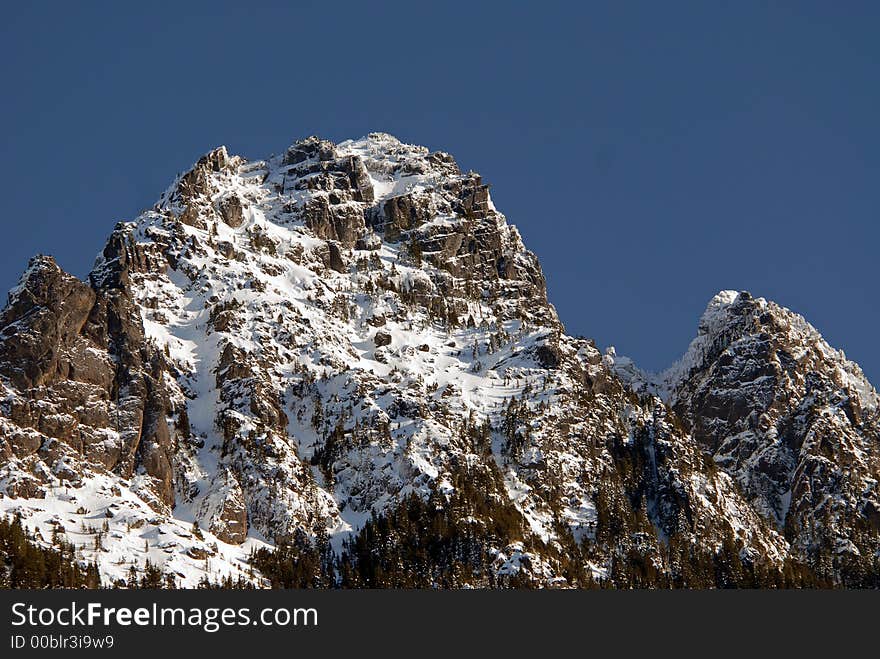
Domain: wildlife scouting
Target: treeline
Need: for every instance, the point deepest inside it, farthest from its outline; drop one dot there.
(417, 546)
(436, 543)
(449, 542)
(25, 564)
(441, 542)
(433, 543)
(153, 578)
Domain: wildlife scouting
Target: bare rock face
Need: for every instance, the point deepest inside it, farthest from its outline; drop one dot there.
(84, 389)
(310, 148)
(231, 211)
(195, 184)
(336, 259)
(342, 224)
(42, 324)
(227, 511)
(400, 214)
(191, 196)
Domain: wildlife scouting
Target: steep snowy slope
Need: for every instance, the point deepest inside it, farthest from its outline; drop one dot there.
(294, 348)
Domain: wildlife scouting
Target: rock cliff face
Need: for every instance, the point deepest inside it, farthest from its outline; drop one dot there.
(82, 387)
(794, 422)
(288, 349)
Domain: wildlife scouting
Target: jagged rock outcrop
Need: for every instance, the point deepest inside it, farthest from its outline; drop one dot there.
(281, 351)
(82, 387)
(794, 422)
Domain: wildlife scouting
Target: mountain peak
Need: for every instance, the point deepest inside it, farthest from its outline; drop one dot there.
(283, 351)
(772, 402)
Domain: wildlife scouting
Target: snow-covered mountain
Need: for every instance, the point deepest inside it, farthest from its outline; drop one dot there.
(794, 422)
(347, 347)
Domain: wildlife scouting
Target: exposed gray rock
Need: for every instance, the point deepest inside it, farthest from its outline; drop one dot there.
(231, 211)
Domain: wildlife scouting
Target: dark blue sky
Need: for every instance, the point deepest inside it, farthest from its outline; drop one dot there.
(650, 153)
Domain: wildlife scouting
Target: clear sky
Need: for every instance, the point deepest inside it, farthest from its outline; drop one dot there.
(650, 153)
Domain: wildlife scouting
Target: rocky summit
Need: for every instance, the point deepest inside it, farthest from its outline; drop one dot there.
(338, 367)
